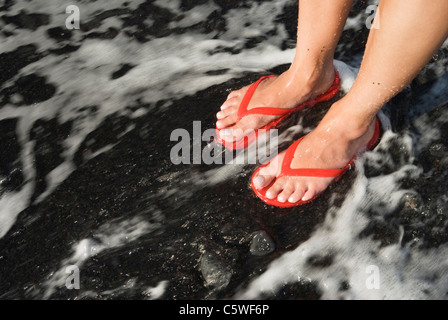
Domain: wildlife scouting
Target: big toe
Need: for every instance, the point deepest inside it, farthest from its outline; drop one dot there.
(267, 174)
(261, 181)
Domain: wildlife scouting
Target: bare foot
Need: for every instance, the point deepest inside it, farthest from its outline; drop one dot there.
(288, 90)
(330, 146)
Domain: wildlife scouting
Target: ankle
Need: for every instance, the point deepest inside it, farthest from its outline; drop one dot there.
(313, 77)
(349, 128)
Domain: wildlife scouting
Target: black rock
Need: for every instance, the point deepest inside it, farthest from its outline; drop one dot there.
(261, 244)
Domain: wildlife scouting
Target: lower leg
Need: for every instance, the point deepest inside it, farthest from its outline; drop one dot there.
(410, 31)
(320, 25)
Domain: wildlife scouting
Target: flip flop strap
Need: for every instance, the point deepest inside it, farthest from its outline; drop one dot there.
(307, 172)
(286, 169)
(332, 91)
(243, 111)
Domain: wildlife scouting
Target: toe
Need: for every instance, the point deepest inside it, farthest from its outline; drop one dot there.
(233, 134)
(297, 195)
(233, 94)
(294, 198)
(275, 190)
(267, 173)
(263, 180)
(288, 190)
(227, 121)
(238, 93)
(231, 102)
(226, 112)
(309, 194)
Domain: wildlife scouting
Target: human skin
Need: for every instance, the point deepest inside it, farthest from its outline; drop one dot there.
(408, 35)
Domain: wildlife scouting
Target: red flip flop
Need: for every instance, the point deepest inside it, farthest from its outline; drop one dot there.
(281, 112)
(286, 170)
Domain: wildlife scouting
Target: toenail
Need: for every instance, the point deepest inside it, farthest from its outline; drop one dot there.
(281, 199)
(219, 115)
(293, 199)
(258, 181)
(306, 198)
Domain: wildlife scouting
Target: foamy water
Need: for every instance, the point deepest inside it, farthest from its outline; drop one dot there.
(179, 65)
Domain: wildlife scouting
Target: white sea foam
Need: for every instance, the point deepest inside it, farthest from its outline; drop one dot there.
(404, 271)
(173, 67)
(156, 292)
(109, 236)
(177, 66)
(403, 274)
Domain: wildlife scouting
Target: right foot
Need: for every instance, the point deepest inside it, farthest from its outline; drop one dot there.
(288, 90)
(330, 146)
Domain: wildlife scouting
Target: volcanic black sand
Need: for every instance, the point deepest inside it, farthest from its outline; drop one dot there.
(133, 221)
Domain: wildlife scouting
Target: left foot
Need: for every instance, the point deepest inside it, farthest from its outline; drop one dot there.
(331, 145)
(287, 91)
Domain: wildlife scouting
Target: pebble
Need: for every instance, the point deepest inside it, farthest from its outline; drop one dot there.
(216, 274)
(437, 150)
(261, 244)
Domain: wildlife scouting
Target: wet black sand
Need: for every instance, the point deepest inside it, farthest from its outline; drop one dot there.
(214, 222)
